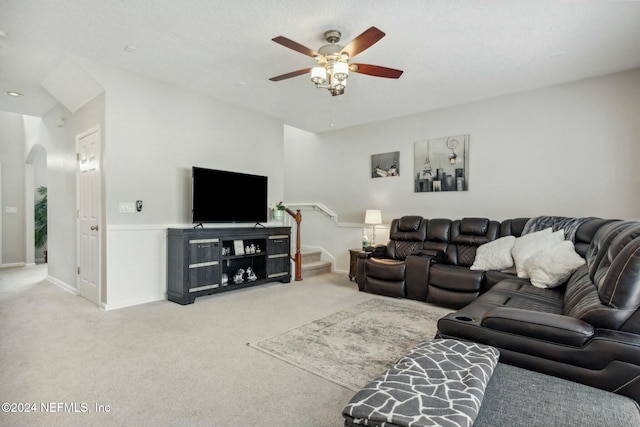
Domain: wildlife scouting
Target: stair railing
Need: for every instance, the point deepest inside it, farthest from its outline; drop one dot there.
(297, 258)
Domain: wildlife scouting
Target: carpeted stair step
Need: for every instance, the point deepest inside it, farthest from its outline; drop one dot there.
(313, 265)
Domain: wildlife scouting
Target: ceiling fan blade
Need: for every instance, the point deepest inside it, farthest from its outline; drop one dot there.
(363, 41)
(295, 46)
(289, 75)
(376, 70)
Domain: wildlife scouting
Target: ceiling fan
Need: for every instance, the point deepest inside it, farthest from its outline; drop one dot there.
(333, 66)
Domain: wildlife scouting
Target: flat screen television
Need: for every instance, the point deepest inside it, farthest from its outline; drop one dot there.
(224, 196)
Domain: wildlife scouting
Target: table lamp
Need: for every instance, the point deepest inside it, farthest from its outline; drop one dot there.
(373, 217)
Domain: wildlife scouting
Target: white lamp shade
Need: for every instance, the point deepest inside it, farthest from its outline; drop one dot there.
(318, 75)
(340, 70)
(373, 216)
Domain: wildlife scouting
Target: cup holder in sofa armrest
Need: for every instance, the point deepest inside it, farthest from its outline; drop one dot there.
(465, 319)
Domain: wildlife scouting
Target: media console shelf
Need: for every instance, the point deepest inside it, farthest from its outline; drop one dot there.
(206, 261)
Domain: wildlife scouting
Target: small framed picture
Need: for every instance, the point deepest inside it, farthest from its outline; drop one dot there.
(238, 247)
(384, 165)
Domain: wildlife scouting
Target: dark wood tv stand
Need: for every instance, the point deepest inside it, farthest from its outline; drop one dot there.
(205, 261)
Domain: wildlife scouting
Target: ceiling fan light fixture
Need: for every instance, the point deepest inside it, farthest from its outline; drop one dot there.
(339, 86)
(340, 71)
(332, 69)
(318, 75)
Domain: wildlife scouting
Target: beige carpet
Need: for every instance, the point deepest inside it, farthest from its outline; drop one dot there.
(353, 346)
(163, 364)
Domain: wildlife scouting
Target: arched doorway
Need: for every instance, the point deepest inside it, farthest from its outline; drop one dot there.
(35, 180)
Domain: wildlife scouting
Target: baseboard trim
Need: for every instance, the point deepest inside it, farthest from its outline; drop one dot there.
(14, 264)
(63, 285)
(131, 303)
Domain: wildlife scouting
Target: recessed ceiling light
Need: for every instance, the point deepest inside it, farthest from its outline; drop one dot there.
(14, 94)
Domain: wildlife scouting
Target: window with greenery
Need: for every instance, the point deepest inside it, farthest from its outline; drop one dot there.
(41, 219)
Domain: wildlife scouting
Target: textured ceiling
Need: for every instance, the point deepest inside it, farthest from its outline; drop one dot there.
(452, 52)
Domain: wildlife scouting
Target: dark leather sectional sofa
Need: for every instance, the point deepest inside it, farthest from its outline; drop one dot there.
(586, 330)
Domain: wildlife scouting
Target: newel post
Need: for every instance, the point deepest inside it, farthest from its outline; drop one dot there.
(297, 258)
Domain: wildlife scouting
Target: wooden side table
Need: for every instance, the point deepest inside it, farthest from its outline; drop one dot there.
(353, 263)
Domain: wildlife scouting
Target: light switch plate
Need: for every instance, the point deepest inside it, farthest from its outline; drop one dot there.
(127, 207)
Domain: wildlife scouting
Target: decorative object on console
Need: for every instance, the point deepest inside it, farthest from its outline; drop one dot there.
(373, 217)
(385, 164)
(239, 276)
(277, 211)
(449, 156)
(238, 247)
(251, 275)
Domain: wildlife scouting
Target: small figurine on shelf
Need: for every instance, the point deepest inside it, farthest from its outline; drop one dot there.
(258, 249)
(251, 275)
(225, 279)
(252, 249)
(238, 278)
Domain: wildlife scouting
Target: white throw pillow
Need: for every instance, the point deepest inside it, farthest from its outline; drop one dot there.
(529, 244)
(552, 266)
(495, 255)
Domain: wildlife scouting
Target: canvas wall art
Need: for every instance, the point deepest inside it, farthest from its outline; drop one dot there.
(385, 165)
(441, 164)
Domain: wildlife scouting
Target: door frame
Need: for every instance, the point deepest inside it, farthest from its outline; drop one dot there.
(100, 234)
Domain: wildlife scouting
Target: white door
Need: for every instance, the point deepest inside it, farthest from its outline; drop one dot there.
(88, 214)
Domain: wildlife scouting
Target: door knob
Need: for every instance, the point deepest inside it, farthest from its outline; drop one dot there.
(94, 227)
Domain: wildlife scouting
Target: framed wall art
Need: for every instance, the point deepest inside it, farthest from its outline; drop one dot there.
(441, 164)
(385, 165)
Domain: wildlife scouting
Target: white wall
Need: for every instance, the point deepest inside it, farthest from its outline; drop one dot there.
(569, 150)
(154, 134)
(12, 159)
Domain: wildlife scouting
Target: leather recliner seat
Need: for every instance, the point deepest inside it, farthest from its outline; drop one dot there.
(383, 269)
(452, 283)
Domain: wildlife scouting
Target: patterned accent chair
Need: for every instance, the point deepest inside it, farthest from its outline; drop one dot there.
(452, 283)
(381, 270)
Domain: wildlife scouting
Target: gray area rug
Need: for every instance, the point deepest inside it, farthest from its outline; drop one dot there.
(353, 346)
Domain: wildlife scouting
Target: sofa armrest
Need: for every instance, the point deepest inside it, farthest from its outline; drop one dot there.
(435, 255)
(377, 251)
(539, 325)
